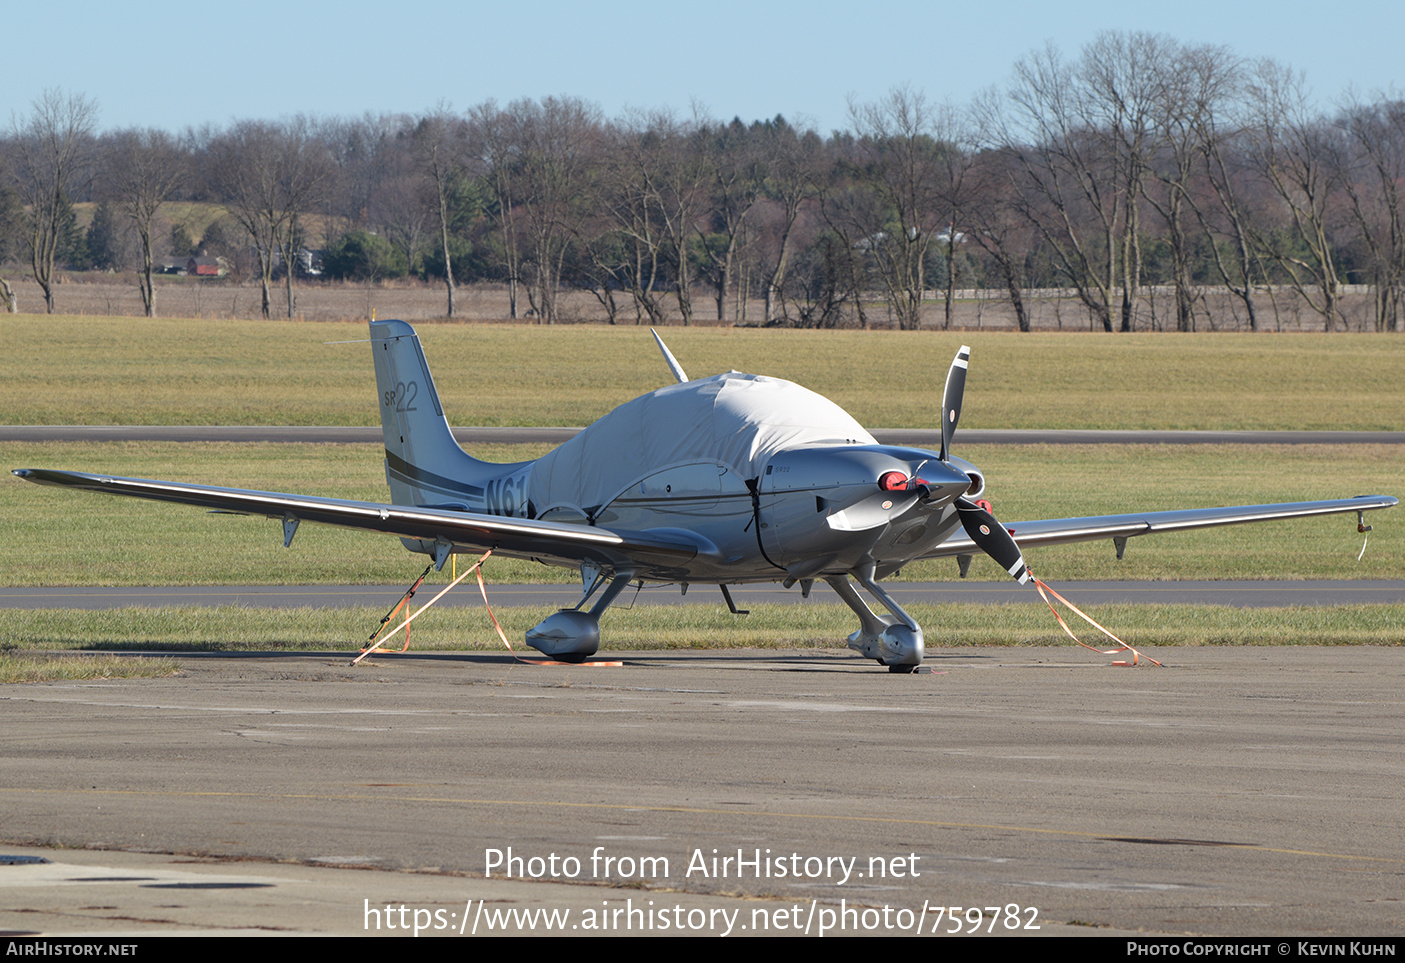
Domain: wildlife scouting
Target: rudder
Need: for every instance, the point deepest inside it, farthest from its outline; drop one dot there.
(424, 465)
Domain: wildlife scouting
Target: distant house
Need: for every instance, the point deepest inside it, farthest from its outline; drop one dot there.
(308, 261)
(207, 267)
(200, 267)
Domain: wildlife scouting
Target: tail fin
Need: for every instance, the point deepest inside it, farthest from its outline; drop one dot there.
(424, 465)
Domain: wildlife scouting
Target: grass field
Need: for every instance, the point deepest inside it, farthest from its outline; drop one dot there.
(68, 370)
(41, 667)
(817, 624)
(126, 371)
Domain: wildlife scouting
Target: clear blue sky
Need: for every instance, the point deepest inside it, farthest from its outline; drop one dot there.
(182, 64)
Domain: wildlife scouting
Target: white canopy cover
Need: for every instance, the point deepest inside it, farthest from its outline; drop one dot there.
(734, 420)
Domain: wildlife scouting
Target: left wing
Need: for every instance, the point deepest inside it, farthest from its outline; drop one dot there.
(553, 541)
(1059, 531)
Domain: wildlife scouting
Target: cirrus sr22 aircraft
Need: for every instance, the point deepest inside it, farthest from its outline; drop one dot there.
(722, 480)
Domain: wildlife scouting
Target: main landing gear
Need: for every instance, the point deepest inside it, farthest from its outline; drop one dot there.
(572, 635)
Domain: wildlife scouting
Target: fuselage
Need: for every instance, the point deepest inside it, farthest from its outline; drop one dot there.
(809, 512)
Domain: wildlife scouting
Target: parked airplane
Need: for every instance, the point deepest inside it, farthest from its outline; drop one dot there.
(721, 480)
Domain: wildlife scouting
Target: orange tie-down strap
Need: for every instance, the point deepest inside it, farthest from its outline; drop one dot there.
(1045, 591)
(477, 567)
(404, 601)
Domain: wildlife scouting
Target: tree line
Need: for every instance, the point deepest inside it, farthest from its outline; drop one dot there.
(1142, 165)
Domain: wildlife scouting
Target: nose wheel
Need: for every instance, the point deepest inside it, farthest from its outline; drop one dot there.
(894, 640)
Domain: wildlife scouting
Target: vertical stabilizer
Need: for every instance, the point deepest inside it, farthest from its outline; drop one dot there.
(424, 465)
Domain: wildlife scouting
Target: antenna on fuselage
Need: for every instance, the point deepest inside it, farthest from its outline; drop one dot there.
(673, 364)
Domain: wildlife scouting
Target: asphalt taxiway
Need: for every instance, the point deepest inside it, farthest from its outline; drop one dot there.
(1236, 791)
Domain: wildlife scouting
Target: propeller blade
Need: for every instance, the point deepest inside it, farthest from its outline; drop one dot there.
(951, 398)
(992, 538)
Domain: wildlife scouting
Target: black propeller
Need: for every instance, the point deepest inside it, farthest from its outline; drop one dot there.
(992, 538)
(951, 398)
(985, 530)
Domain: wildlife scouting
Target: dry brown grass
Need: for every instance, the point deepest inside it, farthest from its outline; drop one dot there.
(93, 293)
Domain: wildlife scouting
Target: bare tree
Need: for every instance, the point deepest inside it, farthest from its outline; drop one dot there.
(243, 168)
(845, 258)
(304, 167)
(493, 135)
(957, 157)
(1294, 155)
(794, 163)
(904, 162)
(398, 208)
(268, 174)
(628, 191)
(666, 174)
(1191, 85)
(11, 223)
(735, 174)
(440, 147)
(145, 167)
(1064, 181)
(1220, 133)
(1122, 84)
(557, 143)
(1375, 162)
(996, 225)
(51, 158)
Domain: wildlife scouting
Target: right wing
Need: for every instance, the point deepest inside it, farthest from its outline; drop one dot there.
(1060, 531)
(525, 538)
